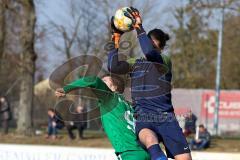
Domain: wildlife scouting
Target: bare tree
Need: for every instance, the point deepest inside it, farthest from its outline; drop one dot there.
(88, 27)
(84, 33)
(68, 38)
(28, 58)
(2, 27)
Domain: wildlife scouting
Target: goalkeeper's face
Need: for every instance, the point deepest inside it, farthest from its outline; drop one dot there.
(156, 43)
(109, 82)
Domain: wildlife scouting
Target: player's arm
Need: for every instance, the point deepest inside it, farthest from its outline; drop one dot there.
(145, 42)
(147, 47)
(114, 65)
(86, 82)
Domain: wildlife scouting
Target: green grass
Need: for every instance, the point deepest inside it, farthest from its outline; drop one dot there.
(98, 139)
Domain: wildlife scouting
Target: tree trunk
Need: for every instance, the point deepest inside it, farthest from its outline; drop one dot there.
(2, 28)
(28, 57)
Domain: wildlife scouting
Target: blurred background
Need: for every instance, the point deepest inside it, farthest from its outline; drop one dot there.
(38, 36)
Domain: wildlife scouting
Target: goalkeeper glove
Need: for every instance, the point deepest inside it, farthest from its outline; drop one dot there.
(116, 34)
(134, 15)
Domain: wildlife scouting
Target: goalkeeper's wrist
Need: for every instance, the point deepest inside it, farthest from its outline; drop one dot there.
(116, 39)
(140, 29)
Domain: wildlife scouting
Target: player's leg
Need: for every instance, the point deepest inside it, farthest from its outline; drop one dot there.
(147, 137)
(150, 140)
(174, 140)
(134, 155)
(184, 156)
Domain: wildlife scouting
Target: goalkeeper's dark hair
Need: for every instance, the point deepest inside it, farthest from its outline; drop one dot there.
(118, 81)
(161, 36)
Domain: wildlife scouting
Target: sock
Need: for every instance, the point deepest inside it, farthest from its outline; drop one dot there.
(156, 153)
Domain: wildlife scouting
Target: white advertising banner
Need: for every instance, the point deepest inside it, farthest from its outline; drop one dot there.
(35, 152)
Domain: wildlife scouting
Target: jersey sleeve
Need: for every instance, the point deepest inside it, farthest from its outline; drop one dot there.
(147, 47)
(100, 89)
(90, 81)
(116, 66)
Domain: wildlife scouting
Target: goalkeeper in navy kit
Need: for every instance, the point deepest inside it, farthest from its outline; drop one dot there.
(151, 91)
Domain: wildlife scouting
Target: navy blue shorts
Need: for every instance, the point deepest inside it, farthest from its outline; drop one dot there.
(168, 131)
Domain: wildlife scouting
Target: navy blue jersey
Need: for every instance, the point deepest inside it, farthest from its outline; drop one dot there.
(150, 77)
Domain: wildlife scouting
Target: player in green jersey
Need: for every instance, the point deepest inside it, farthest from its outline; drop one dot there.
(116, 114)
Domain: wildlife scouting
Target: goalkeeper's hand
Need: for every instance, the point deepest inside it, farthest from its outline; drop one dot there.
(116, 34)
(134, 15)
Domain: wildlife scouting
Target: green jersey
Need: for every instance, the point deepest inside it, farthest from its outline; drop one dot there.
(116, 113)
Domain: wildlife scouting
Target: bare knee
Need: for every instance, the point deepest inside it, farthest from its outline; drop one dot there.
(148, 137)
(185, 156)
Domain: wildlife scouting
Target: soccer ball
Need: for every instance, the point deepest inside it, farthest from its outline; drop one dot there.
(122, 22)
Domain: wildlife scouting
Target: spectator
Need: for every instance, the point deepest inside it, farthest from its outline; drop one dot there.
(79, 122)
(202, 141)
(5, 113)
(190, 124)
(54, 123)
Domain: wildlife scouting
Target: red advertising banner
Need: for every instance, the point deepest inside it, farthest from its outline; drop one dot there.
(229, 106)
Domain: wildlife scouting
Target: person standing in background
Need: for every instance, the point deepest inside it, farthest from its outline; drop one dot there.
(5, 114)
(78, 122)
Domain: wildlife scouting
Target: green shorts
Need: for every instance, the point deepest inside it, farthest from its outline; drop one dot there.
(134, 155)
